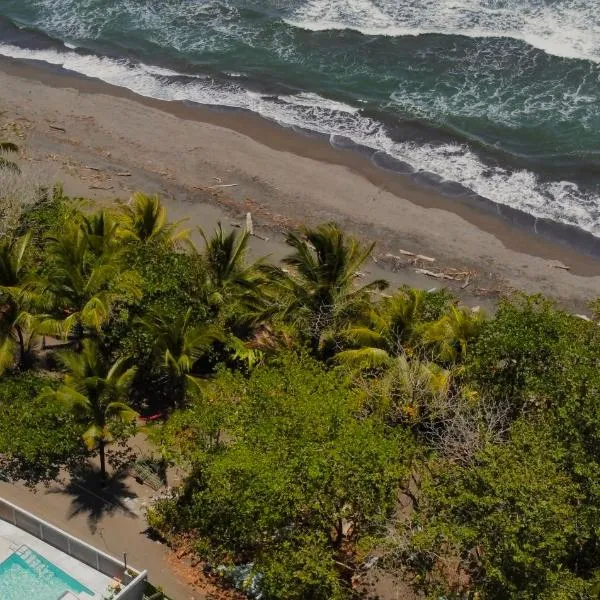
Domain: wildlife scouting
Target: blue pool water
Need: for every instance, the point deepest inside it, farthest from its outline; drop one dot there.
(35, 578)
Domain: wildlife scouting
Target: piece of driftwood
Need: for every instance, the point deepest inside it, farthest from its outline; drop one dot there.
(249, 224)
(237, 225)
(92, 168)
(57, 128)
(466, 284)
(561, 266)
(223, 185)
(100, 187)
(260, 237)
(435, 274)
(123, 174)
(416, 256)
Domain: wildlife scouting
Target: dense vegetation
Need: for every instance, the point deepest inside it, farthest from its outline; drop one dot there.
(327, 428)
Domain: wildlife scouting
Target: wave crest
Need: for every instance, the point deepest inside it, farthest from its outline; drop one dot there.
(570, 28)
(560, 201)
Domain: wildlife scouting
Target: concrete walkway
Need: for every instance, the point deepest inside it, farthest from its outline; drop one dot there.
(115, 526)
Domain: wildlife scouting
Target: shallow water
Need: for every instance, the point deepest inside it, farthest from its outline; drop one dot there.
(501, 96)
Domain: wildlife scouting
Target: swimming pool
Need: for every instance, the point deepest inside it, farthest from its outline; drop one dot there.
(27, 574)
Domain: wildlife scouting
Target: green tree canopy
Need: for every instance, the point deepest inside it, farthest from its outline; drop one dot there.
(297, 479)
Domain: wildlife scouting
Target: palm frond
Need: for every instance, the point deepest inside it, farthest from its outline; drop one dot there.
(8, 350)
(8, 147)
(366, 358)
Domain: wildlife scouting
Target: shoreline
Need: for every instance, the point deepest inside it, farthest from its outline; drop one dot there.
(307, 180)
(515, 228)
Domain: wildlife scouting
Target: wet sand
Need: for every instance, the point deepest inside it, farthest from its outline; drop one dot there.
(284, 177)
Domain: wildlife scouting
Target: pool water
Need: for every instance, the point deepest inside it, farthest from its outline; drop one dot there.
(26, 574)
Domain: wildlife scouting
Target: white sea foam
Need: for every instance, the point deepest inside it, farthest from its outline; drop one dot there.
(559, 200)
(568, 28)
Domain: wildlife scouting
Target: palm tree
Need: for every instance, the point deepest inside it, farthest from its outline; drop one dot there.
(85, 287)
(96, 392)
(385, 332)
(320, 292)
(450, 335)
(228, 274)
(101, 230)
(178, 345)
(18, 298)
(145, 220)
(412, 390)
(5, 163)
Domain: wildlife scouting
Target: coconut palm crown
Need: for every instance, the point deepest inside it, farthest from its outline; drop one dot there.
(95, 391)
(320, 291)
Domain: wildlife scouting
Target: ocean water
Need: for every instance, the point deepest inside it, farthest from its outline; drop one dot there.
(498, 99)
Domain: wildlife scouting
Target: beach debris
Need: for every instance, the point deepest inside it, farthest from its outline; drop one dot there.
(249, 224)
(236, 225)
(57, 128)
(101, 187)
(409, 257)
(584, 317)
(437, 275)
(466, 284)
(123, 174)
(223, 185)
(416, 256)
(559, 265)
(250, 228)
(93, 168)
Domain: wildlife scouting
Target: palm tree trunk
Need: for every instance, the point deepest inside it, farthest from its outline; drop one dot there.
(101, 451)
(21, 346)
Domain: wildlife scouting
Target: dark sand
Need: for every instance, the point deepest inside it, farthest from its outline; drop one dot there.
(284, 178)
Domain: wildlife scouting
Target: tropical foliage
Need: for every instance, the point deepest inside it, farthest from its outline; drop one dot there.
(95, 391)
(328, 433)
(7, 148)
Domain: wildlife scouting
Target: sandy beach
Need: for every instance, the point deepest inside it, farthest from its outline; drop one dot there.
(103, 142)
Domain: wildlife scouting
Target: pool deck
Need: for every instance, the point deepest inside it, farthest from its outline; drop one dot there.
(11, 538)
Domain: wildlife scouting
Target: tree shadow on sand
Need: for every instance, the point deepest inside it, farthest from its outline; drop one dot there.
(97, 498)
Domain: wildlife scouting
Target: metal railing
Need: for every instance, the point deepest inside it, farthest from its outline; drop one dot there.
(133, 581)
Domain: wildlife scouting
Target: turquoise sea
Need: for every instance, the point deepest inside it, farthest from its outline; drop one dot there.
(499, 99)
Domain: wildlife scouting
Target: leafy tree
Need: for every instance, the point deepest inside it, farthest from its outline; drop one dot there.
(95, 392)
(320, 295)
(295, 482)
(517, 353)
(37, 438)
(513, 519)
